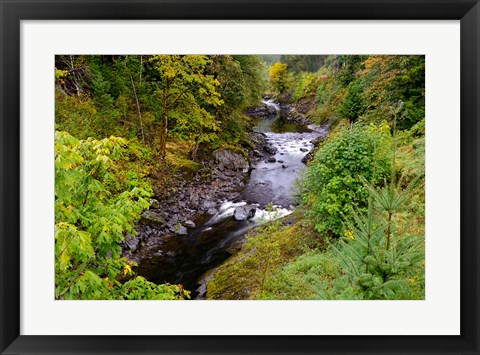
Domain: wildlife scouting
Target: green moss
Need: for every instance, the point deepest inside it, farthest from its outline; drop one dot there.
(234, 148)
(308, 277)
(266, 249)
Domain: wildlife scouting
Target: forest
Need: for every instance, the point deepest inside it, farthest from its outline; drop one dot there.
(239, 177)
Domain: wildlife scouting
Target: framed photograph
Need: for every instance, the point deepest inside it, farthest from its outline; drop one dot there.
(239, 177)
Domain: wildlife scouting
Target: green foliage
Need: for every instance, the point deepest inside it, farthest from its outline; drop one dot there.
(367, 86)
(102, 96)
(333, 187)
(77, 115)
(141, 289)
(352, 105)
(346, 67)
(390, 79)
(380, 256)
(91, 218)
(196, 101)
(330, 95)
(185, 92)
(306, 85)
(313, 275)
(242, 85)
(59, 74)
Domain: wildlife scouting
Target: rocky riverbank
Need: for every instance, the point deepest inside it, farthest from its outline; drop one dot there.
(174, 215)
(192, 200)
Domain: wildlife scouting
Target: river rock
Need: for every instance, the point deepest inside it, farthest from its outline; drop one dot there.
(271, 160)
(219, 175)
(154, 203)
(261, 111)
(189, 224)
(153, 218)
(194, 199)
(242, 213)
(132, 242)
(307, 157)
(212, 211)
(304, 149)
(284, 166)
(270, 149)
(181, 230)
(280, 161)
(208, 204)
(257, 153)
(228, 159)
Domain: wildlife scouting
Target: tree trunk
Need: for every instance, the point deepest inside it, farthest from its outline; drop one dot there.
(163, 136)
(164, 129)
(195, 151)
(138, 108)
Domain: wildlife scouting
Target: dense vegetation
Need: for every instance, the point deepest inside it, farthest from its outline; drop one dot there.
(362, 200)
(126, 126)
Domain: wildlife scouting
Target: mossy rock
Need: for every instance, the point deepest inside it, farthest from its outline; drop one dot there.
(266, 249)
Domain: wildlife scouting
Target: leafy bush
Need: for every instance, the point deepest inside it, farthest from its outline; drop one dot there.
(333, 187)
(92, 214)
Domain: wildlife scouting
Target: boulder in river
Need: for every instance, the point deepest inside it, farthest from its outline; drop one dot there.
(242, 213)
(228, 159)
(284, 166)
(189, 224)
(304, 149)
(152, 218)
(271, 160)
(212, 211)
(270, 149)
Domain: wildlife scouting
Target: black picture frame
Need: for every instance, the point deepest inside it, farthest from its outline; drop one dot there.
(14, 11)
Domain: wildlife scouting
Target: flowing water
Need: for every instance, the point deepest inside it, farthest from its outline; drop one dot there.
(185, 259)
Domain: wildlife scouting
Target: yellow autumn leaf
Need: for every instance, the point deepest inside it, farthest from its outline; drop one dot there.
(349, 234)
(127, 269)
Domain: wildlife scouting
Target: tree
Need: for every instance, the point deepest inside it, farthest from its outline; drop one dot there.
(242, 82)
(279, 76)
(185, 90)
(352, 106)
(347, 66)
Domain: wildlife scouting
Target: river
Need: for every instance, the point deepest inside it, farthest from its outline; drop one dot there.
(186, 259)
